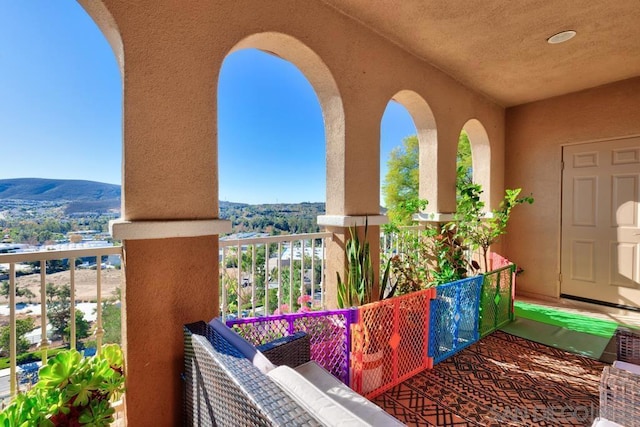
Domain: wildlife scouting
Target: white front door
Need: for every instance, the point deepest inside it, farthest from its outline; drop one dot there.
(600, 257)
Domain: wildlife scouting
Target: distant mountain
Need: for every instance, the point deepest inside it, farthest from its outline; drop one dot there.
(85, 197)
(58, 189)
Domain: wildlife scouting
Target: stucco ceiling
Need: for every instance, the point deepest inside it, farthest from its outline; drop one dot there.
(499, 47)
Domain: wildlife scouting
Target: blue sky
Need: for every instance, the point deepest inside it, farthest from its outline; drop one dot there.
(61, 114)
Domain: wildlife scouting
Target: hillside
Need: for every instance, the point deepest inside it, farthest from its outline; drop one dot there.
(51, 198)
(286, 218)
(58, 189)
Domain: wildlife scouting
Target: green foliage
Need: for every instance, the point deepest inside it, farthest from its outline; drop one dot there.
(280, 218)
(23, 326)
(401, 183)
(400, 187)
(480, 231)
(440, 254)
(72, 390)
(82, 328)
(357, 287)
(429, 257)
(34, 356)
(464, 165)
(20, 292)
(59, 312)
(112, 319)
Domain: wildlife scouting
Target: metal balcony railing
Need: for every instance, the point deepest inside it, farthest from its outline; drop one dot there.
(43, 259)
(277, 274)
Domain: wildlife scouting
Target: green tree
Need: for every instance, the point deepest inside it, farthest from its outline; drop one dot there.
(20, 292)
(82, 328)
(59, 312)
(400, 185)
(464, 165)
(112, 318)
(23, 326)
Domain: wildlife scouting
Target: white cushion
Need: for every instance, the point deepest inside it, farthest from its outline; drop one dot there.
(603, 422)
(629, 367)
(318, 404)
(368, 411)
(258, 359)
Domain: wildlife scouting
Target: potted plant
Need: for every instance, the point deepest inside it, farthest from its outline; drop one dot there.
(357, 289)
(72, 391)
(474, 227)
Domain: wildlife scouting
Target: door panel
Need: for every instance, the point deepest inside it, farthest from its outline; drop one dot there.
(600, 257)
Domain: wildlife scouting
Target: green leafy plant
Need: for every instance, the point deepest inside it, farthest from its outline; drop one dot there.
(478, 230)
(72, 391)
(357, 287)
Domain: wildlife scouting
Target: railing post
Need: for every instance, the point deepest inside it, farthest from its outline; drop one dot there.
(72, 281)
(313, 271)
(291, 264)
(239, 281)
(99, 328)
(279, 275)
(253, 279)
(322, 273)
(13, 348)
(267, 274)
(223, 285)
(44, 342)
(302, 290)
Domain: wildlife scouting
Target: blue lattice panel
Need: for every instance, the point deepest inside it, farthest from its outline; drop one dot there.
(454, 317)
(496, 301)
(329, 335)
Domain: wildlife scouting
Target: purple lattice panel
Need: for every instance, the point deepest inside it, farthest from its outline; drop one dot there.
(329, 335)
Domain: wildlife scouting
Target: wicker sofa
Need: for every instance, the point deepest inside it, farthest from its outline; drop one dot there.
(227, 384)
(620, 384)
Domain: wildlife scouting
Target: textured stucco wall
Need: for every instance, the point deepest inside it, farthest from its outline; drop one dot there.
(535, 134)
(170, 54)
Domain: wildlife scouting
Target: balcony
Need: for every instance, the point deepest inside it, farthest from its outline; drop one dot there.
(484, 68)
(256, 281)
(88, 295)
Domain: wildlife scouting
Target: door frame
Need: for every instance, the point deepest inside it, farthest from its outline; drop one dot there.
(559, 293)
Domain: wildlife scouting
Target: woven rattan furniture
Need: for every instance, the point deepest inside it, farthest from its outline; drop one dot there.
(628, 345)
(223, 388)
(619, 398)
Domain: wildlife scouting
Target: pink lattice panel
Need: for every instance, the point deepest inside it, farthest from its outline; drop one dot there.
(389, 342)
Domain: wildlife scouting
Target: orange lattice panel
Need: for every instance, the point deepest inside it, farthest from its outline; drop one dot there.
(390, 342)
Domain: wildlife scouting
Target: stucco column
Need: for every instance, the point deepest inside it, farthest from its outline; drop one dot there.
(169, 282)
(169, 222)
(353, 192)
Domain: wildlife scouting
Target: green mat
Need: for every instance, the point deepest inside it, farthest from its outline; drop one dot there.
(567, 331)
(555, 336)
(571, 321)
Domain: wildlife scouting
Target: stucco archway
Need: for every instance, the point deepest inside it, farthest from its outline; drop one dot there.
(326, 89)
(481, 158)
(426, 129)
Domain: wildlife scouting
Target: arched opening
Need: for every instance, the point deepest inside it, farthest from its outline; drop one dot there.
(399, 163)
(277, 105)
(61, 117)
(326, 89)
(271, 136)
(480, 158)
(424, 126)
(464, 161)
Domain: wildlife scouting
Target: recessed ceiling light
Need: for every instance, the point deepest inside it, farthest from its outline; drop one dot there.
(561, 37)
